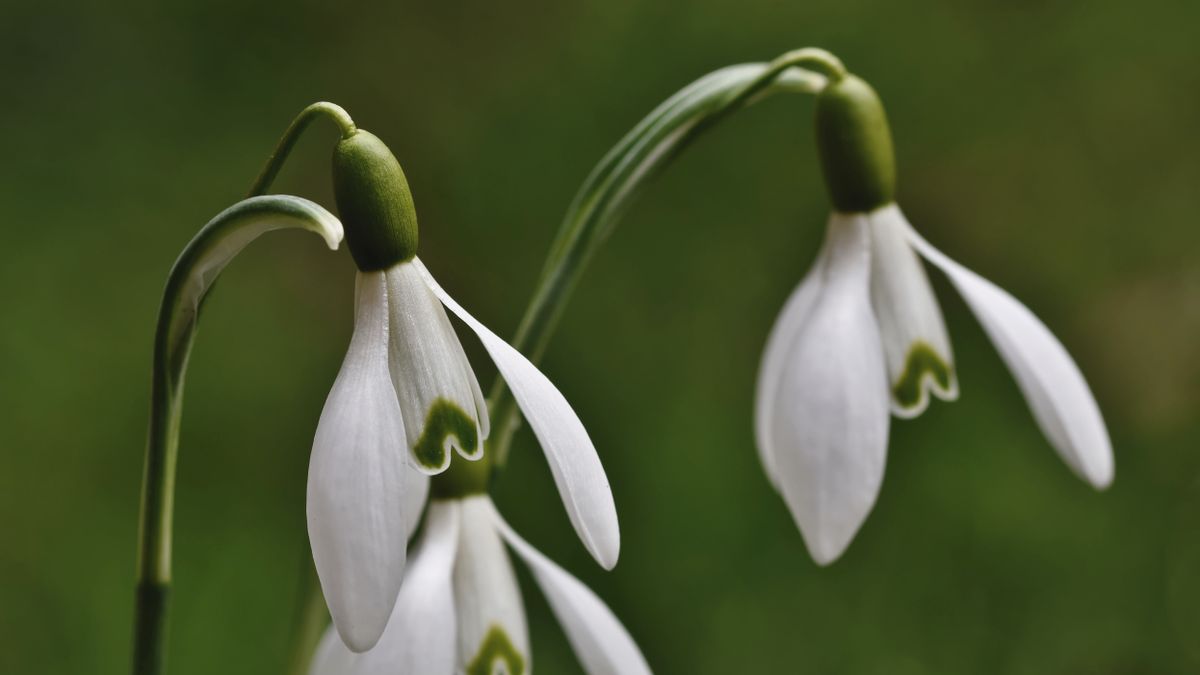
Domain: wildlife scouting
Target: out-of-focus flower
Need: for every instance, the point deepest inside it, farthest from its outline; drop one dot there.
(863, 334)
(459, 609)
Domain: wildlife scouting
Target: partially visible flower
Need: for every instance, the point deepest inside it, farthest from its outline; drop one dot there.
(863, 334)
(406, 400)
(459, 609)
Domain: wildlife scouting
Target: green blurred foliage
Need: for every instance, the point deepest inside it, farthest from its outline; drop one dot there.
(1047, 145)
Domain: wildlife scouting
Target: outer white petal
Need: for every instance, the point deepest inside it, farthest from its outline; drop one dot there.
(602, 644)
(439, 395)
(915, 345)
(779, 344)
(830, 419)
(491, 617)
(356, 478)
(421, 634)
(1057, 394)
(572, 457)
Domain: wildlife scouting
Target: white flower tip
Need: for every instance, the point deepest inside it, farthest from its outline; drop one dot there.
(826, 547)
(600, 534)
(594, 518)
(1102, 482)
(608, 553)
(360, 636)
(1099, 471)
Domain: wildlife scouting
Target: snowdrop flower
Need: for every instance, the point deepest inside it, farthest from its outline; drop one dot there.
(863, 335)
(406, 401)
(459, 609)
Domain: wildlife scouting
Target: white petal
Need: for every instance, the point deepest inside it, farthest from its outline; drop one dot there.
(416, 490)
(572, 457)
(1056, 392)
(491, 616)
(779, 345)
(356, 478)
(433, 379)
(421, 634)
(915, 345)
(829, 423)
(602, 644)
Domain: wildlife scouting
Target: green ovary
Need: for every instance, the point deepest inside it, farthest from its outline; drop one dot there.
(922, 360)
(445, 419)
(496, 647)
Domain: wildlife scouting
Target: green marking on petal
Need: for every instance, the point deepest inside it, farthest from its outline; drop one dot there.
(496, 649)
(922, 361)
(445, 419)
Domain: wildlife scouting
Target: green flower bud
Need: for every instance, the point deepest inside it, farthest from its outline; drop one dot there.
(374, 202)
(855, 145)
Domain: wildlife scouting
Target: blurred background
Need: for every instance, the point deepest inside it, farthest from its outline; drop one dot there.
(1050, 146)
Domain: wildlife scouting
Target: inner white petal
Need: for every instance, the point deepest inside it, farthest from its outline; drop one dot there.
(438, 393)
(492, 632)
(915, 344)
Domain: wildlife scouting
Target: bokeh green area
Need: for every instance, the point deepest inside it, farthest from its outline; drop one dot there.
(1051, 146)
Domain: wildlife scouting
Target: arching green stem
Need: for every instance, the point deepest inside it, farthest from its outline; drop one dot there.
(187, 287)
(619, 177)
(334, 112)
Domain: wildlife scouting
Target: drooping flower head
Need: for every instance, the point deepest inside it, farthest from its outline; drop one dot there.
(406, 401)
(460, 610)
(863, 336)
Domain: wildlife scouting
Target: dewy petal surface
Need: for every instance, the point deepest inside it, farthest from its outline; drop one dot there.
(916, 347)
(421, 635)
(602, 644)
(569, 451)
(1057, 394)
(356, 477)
(829, 423)
(434, 382)
(779, 345)
(491, 617)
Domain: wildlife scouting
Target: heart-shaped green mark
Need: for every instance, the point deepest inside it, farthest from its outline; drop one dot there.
(445, 419)
(922, 360)
(496, 649)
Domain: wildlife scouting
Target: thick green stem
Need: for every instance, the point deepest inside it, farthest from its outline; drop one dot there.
(620, 176)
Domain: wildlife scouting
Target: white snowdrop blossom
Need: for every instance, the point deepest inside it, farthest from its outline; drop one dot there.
(862, 336)
(459, 608)
(407, 400)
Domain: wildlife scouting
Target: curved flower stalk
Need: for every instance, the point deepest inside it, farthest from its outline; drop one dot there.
(621, 175)
(406, 400)
(190, 279)
(863, 336)
(459, 609)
